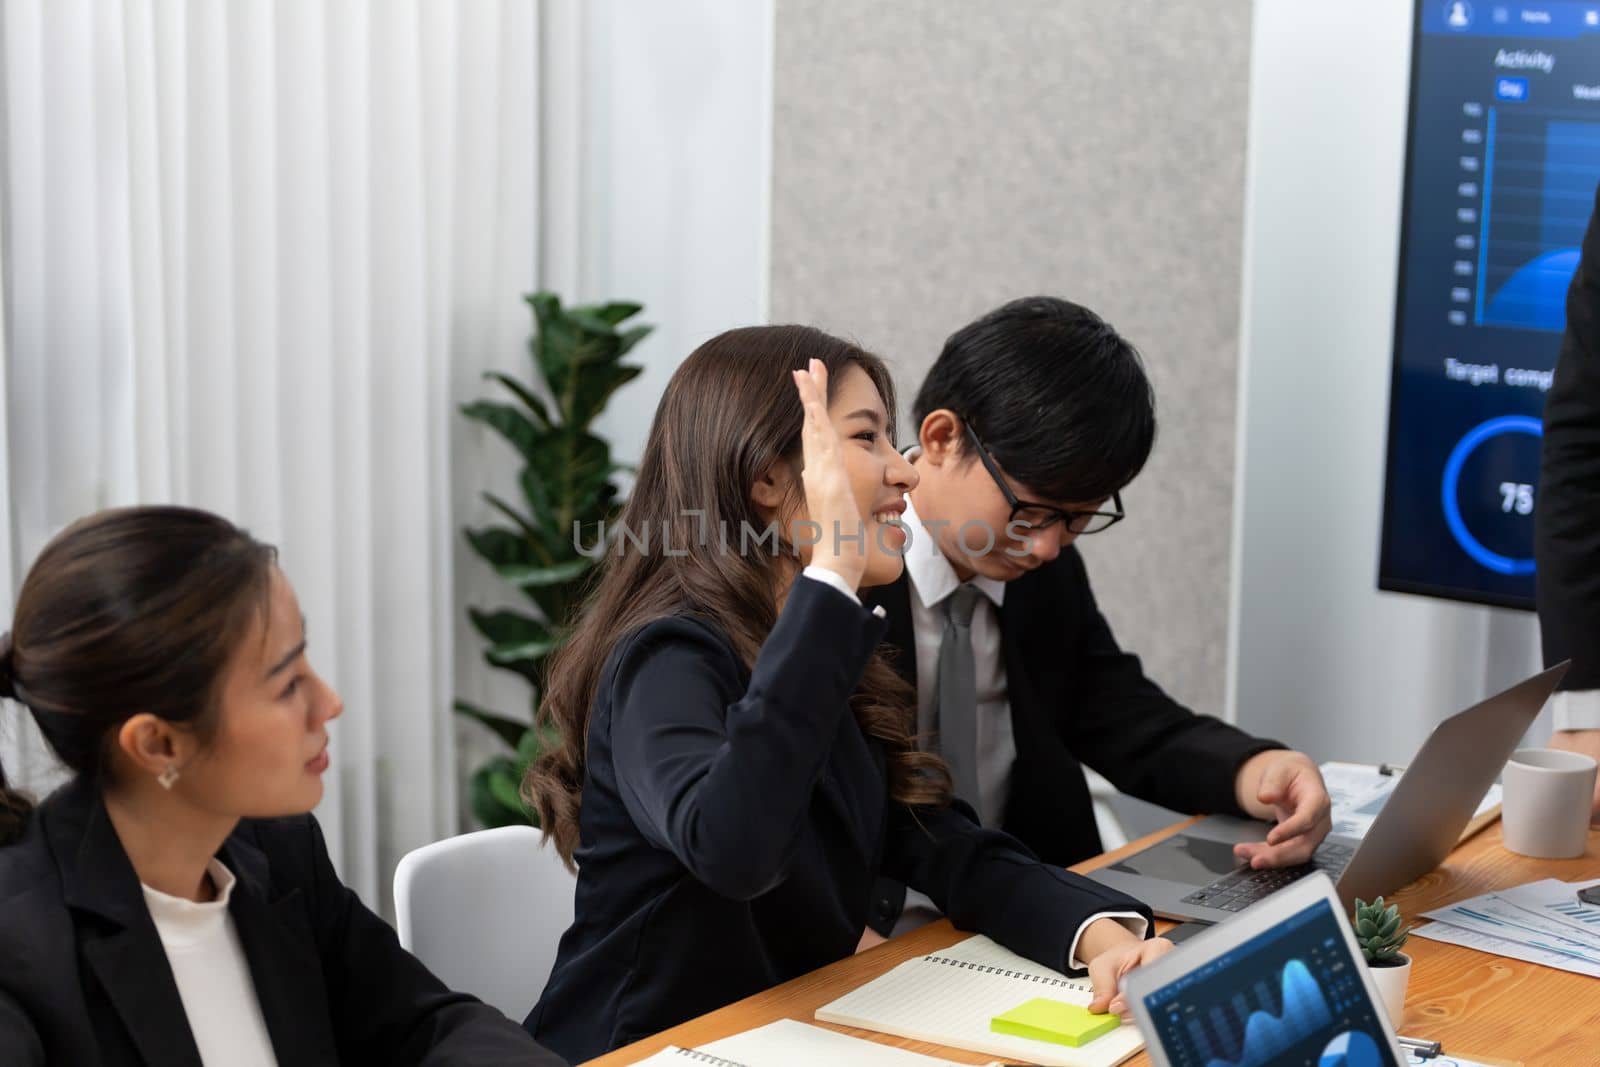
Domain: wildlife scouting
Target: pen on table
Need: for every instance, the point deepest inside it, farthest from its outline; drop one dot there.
(1389, 770)
(1421, 1045)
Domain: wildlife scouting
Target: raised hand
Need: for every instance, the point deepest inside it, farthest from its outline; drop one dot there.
(830, 503)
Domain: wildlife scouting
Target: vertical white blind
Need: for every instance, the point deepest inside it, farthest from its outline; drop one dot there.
(255, 254)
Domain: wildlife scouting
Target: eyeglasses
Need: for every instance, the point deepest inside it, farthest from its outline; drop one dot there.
(1043, 516)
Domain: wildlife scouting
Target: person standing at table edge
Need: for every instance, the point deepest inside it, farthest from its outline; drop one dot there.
(1030, 423)
(1567, 513)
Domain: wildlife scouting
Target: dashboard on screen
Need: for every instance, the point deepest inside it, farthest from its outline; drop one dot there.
(1502, 160)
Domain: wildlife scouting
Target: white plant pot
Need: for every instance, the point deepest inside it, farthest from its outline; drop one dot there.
(1392, 987)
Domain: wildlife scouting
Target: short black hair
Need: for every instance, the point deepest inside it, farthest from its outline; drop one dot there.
(1058, 397)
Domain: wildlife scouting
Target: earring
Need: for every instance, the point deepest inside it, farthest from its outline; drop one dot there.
(168, 777)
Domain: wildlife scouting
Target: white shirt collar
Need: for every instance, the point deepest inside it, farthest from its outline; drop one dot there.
(184, 923)
(222, 880)
(930, 572)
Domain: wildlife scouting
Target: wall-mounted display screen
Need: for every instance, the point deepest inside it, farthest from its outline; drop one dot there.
(1502, 160)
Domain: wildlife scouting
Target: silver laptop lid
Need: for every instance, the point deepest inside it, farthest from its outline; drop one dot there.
(1441, 788)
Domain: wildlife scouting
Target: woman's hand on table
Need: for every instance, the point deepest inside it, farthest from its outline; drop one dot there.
(1118, 956)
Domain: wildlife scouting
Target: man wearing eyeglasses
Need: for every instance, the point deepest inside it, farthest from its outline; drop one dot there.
(1031, 422)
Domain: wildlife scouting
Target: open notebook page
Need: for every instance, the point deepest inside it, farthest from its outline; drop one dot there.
(949, 997)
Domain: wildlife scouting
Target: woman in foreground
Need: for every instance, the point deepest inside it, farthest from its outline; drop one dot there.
(174, 904)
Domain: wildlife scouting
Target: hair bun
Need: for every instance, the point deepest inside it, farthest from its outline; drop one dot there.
(7, 690)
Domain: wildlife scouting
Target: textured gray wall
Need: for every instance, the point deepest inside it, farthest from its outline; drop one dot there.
(934, 158)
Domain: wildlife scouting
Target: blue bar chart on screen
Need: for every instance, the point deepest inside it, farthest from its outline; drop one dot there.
(1534, 218)
(1502, 162)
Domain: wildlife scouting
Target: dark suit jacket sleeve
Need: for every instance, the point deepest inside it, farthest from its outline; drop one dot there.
(1567, 539)
(1147, 744)
(721, 773)
(988, 881)
(385, 1005)
(19, 1040)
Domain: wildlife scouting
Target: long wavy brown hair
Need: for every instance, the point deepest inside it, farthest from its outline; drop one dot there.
(728, 414)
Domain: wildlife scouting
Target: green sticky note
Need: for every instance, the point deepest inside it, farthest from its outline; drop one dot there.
(1054, 1020)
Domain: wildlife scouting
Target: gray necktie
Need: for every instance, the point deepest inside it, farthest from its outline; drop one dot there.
(957, 711)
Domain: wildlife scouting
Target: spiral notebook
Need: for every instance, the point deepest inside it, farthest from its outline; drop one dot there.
(949, 997)
(788, 1043)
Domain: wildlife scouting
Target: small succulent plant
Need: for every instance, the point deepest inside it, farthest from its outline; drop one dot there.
(1379, 932)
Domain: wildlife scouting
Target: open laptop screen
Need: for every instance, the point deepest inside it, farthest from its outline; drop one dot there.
(1290, 995)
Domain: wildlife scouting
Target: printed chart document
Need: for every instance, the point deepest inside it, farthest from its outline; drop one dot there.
(1359, 791)
(949, 997)
(787, 1043)
(1541, 922)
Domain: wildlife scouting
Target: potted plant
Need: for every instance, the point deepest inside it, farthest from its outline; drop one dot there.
(568, 497)
(1381, 936)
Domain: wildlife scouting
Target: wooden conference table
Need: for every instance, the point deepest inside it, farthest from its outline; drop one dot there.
(1477, 1005)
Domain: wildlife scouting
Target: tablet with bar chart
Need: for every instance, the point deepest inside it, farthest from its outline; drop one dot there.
(1282, 985)
(1502, 162)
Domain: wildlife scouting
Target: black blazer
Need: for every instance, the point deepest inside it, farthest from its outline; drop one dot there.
(733, 824)
(1567, 516)
(84, 980)
(1076, 698)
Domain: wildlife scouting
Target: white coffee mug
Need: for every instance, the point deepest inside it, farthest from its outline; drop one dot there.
(1548, 795)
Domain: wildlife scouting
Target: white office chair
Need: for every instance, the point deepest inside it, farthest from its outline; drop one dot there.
(484, 911)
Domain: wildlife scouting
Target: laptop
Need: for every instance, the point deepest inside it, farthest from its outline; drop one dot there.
(1194, 875)
(1283, 983)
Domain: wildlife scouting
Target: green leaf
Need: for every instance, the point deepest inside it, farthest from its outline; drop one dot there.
(537, 545)
(503, 548)
(508, 627)
(546, 305)
(537, 742)
(487, 804)
(536, 491)
(508, 730)
(573, 471)
(504, 783)
(553, 601)
(525, 525)
(530, 671)
(524, 576)
(628, 338)
(525, 659)
(526, 395)
(586, 319)
(616, 311)
(508, 422)
(529, 747)
(556, 342)
(594, 388)
(511, 652)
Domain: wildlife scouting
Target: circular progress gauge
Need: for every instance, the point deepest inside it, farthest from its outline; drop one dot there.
(1497, 457)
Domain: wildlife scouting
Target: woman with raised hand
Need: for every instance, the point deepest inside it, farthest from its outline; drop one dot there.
(736, 762)
(174, 904)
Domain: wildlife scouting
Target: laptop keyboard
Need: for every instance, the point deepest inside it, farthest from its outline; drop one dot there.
(1239, 889)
